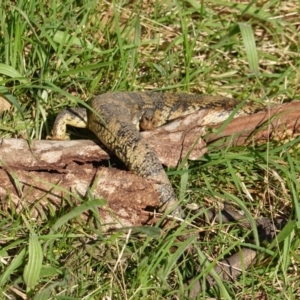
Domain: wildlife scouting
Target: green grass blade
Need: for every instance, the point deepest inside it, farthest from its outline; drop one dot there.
(173, 259)
(77, 211)
(35, 258)
(12, 73)
(250, 47)
(13, 266)
(9, 97)
(151, 232)
(250, 218)
(283, 234)
(183, 182)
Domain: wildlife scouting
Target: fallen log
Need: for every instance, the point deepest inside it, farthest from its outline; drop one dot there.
(33, 175)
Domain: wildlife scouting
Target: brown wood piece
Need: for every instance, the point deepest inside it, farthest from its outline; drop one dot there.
(30, 176)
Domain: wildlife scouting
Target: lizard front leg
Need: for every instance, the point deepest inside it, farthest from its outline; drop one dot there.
(119, 134)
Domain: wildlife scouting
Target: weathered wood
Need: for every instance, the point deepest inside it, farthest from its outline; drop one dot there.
(40, 174)
(42, 191)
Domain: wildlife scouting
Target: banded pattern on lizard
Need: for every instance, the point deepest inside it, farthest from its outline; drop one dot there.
(117, 118)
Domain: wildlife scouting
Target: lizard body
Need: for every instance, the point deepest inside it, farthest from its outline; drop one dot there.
(116, 119)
